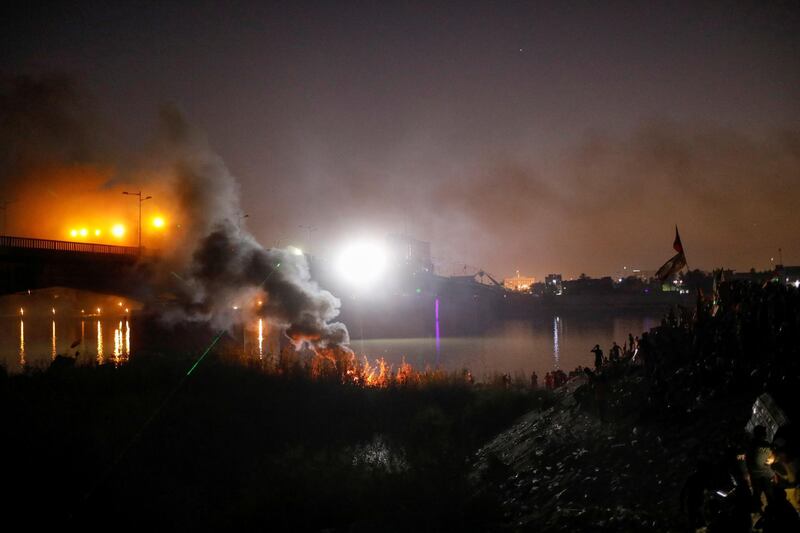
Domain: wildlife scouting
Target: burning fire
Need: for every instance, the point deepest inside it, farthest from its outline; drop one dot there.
(342, 364)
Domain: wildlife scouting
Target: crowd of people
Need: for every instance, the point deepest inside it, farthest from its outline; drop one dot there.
(753, 486)
(731, 346)
(738, 343)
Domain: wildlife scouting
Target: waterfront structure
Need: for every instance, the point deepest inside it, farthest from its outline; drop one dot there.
(553, 285)
(519, 283)
(408, 251)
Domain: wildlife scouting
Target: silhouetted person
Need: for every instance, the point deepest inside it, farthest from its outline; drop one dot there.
(779, 515)
(787, 474)
(759, 472)
(693, 494)
(614, 352)
(598, 356)
(534, 380)
(468, 376)
(645, 353)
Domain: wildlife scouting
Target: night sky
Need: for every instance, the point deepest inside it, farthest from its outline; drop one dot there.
(546, 137)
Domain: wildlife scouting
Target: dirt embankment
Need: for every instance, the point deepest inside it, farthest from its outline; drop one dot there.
(565, 469)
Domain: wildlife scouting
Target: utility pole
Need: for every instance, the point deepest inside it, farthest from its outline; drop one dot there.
(309, 228)
(139, 194)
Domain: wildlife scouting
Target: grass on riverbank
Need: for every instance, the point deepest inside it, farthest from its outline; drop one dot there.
(236, 447)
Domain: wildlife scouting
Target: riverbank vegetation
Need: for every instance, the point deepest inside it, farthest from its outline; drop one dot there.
(232, 446)
(339, 445)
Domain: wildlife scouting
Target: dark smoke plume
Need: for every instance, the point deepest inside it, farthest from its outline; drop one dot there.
(51, 161)
(224, 265)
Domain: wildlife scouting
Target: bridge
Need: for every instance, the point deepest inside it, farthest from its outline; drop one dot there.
(30, 264)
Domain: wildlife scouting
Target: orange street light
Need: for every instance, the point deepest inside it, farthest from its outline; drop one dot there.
(139, 194)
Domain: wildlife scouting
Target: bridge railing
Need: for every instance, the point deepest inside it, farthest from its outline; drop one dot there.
(66, 246)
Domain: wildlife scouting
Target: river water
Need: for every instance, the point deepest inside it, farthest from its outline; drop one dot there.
(517, 347)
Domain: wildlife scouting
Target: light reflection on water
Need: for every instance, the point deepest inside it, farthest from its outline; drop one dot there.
(260, 338)
(117, 342)
(556, 348)
(37, 342)
(100, 358)
(511, 346)
(21, 343)
(514, 346)
(53, 341)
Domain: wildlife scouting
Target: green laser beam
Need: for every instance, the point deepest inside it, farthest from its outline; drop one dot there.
(276, 267)
(166, 400)
(144, 426)
(210, 346)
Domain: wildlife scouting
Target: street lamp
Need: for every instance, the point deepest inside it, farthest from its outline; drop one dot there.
(139, 194)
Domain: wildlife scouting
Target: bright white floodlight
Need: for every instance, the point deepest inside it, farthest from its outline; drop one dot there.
(362, 263)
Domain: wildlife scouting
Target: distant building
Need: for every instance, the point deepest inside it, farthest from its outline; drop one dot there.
(538, 288)
(788, 275)
(414, 254)
(586, 285)
(753, 276)
(553, 284)
(519, 283)
(644, 275)
(633, 272)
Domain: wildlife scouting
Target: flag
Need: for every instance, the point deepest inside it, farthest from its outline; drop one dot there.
(676, 262)
(677, 244)
(671, 267)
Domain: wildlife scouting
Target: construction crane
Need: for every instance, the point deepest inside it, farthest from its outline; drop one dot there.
(482, 273)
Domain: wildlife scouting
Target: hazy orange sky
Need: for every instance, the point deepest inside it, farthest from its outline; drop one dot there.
(546, 137)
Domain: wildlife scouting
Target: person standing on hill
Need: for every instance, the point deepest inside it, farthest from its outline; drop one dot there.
(598, 356)
(615, 352)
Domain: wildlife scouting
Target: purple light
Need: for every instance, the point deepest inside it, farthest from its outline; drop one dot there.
(438, 339)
